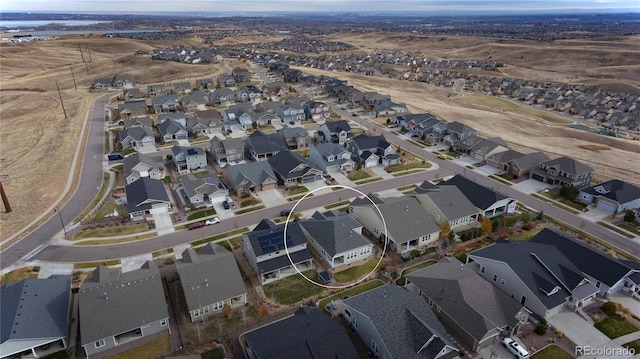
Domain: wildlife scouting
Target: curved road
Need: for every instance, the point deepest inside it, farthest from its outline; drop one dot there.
(89, 183)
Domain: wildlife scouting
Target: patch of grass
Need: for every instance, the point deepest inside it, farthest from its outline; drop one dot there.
(201, 214)
(249, 202)
(296, 198)
(614, 327)
(152, 349)
(402, 280)
(105, 146)
(405, 173)
(247, 210)
(615, 229)
(554, 203)
(215, 353)
(635, 345)
(408, 166)
(236, 242)
(17, 275)
(166, 179)
(162, 252)
(629, 227)
(356, 272)
(359, 175)
(360, 288)
(298, 190)
(96, 199)
(219, 236)
(505, 176)
(111, 231)
(117, 168)
(337, 204)
(63, 354)
(113, 262)
(375, 179)
(501, 180)
(552, 352)
(411, 187)
(573, 204)
(107, 209)
(526, 235)
(293, 289)
(506, 105)
(98, 242)
(417, 144)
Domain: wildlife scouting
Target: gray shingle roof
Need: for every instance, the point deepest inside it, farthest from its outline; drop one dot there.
(505, 156)
(266, 143)
(615, 190)
(193, 186)
(412, 326)
(145, 189)
(134, 159)
(335, 233)
(35, 308)
(375, 144)
(481, 196)
(452, 202)
(112, 303)
(531, 159)
(170, 127)
(338, 126)
(569, 165)
(275, 236)
(308, 334)
(473, 303)
(285, 162)
(254, 172)
(209, 276)
(136, 132)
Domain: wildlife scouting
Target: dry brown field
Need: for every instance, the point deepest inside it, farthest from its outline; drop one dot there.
(37, 144)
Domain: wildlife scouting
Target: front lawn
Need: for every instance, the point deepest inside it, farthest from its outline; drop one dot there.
(526, 235)
(360, 288)
(408, 166)
(111, 231)
(552, 352)
(152, 349)
(356, 272)
(635, 345)
(292, 289)
(298, 190)
(18, 275)
(359, 175)
(215, 353)
(614, 327)
(201, 214)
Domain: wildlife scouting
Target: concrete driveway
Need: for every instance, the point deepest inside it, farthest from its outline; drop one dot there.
(530, 186)
(578, 330)
(163, 222)
(271, 197)
(595, 215)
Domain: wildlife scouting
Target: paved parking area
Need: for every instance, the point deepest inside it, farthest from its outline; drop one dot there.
(132, 263)
(163, 222)
(595, 215)
(530, 186)
(578, 330)
(497, 351)
(380, 172)
(271, 197)
(487, 170)
(632, 304)
(48, 269)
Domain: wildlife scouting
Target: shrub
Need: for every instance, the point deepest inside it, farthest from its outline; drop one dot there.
(610, 308)
(540, 216)
(528, 226)
(541, 328)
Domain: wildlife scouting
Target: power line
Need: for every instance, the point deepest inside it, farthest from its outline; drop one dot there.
(61, 102)
(73, 77)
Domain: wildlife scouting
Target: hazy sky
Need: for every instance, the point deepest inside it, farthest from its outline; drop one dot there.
(314, 5)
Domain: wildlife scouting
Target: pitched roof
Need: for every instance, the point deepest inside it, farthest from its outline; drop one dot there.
(266, 143)
(366, 142)
(204, 185)
(145, 189)
(615, 190)
(307, 334)
(413, 324)
(254, 172)
(136, 132)
(482, 197)
(530, 159)
(596, 264)
(285, 162)
(111, 303)
(293, 132)
(35, 308)
(505, 156)
(209, 276)
(472, 302)
(335, 233)
(338, 126)
(265, 241)
(170, 127)
(136, 158)
(451, 201)
(568, 165)
(459, 127)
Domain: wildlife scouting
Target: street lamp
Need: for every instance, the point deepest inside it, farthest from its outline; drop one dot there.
(57, 210)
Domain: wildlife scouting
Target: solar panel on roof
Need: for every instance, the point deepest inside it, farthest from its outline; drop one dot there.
(273, 242)
(325, 277)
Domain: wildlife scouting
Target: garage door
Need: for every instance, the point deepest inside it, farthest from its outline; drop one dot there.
(269, 186)
(308, 179)
(606, 206)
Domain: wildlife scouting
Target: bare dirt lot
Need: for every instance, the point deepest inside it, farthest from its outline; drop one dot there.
(37, 143)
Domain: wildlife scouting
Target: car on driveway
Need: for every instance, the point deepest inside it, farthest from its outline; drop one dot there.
(226, 205)
(515, 348)
(211, 221)
(196, 225)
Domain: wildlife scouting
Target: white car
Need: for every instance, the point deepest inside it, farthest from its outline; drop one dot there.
(515, 348)
(211, 221)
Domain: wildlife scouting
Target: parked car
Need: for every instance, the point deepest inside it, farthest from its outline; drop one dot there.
(226, 205)
(515, 348)
(115, 156)
(196, 225)
(211, 221)
(285, 212)
(442, 156)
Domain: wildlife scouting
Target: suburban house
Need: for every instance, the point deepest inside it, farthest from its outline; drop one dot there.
(316, 111)
(225, 82)
(249, 93)
(500, 160)
(205, 84)
(35, 317)
(138, 138)
(138, 121)
(563, 171)
(423, 127)
(273, 91)
(226, 151)
(522, 166)
(241, 75)
(408, 224)
(336, 132)
(466, 304)
(146, 195)
(387, 108)
(613, 196)
(296, 138)
(120, 81)
(102, 84)
(204, 190)
(157, 90)
(293, 170)
(250, 177)
(331, 157)
(198, 126)
(489, 202)
(452, 133)
(308, 333)
(291, 113)
(172, 130)
(182, 88)
(414, 331)
(539, 276)
(189, 159)
(138, 165)
(266, 118)
(264, 248)
(178, 116)
(261, 146)
(195, 100)
(238, 119)
(210, 280)
(337, 238)
(449, 203)
(481, 148)
(117, 308)
(362, 146)
(132, 94)
(165, 103)
(132, 108)
(222, 97)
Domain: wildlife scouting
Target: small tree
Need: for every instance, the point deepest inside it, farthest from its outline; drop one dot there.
(226, 310)
(541, 328)
(629, 216)
(445, 229)
(569, 192)
(486, 225)
(540, 216)
(254, 124)
(495, 224)
(388, 121)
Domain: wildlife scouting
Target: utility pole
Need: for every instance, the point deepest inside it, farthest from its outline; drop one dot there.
(81, 53)
(89, 53)
(73, 77)
(61, 102)
(5, 200)
(57, 210)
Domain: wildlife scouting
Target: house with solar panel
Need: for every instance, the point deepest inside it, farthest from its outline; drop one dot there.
(264, 248)
(34, 317)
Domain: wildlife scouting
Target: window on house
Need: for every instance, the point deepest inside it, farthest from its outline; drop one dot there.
(495, 277)
(100, 343)
(503, 282)
(218, 306)
(482, 269)
(374, 346)
(163, 322)
(598, 284)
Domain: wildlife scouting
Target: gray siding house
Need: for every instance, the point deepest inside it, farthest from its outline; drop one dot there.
(613, 196)
(189, 159)
(563, 171)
